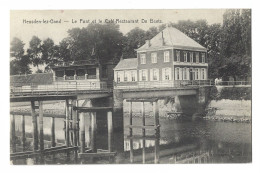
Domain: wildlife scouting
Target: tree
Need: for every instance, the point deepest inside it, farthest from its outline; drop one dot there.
(20, 63)
(151, 32)
(35, 51)
(17, 48)
(64, 50)
(236, 43)
(133, 40)
(49, 51)
(196, 30)
(102, 42)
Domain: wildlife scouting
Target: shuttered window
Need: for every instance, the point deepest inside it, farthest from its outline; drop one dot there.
(203, 57)
(185, 56)
(191, 57)
(197, 58)
(185, 73)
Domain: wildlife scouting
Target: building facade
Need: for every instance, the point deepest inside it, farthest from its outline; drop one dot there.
(170, 59)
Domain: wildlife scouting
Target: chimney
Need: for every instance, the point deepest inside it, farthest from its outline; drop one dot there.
(121, 58)
(162, 39)
(148, 43)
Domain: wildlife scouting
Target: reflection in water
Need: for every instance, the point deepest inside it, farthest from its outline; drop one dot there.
(180, 142)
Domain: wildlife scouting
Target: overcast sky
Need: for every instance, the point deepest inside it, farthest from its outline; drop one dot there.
(19, 28)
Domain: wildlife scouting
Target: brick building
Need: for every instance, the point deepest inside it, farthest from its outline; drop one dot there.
(170, 59)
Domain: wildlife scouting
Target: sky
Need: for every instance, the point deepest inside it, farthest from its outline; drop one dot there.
(21, 27)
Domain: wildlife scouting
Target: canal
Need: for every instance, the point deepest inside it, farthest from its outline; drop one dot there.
(181, 141)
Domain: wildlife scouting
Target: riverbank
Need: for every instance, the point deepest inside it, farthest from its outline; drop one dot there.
(229, 104)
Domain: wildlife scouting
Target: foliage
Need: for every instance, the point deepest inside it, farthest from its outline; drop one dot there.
(214, 94)
(17, 48)
(20, 63)
(35, 51)
(96, 41)
(133, 40)
(231, 93)
(236, 43)
(235, 93)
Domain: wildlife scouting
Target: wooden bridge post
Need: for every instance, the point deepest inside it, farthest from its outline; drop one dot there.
(93, 132)
(53, 143)
(143, 131)
(110, 130)
(157, 132)
(82, 132)
(77, 135)
(131, 133)
(74, 126)
(23, 132)
(13, 133)
(34, 124)
(67, 111)
(41, 126)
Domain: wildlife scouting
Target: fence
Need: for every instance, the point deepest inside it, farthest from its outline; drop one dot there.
(58, 87)
(229, 83)
(163, 84)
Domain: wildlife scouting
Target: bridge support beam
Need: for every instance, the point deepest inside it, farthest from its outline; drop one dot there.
(41, 126)
(202, 98)
(118, 121)
(35, 128)
(13, 140)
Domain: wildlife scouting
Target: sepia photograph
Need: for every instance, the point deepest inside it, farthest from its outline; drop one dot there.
(136, 86)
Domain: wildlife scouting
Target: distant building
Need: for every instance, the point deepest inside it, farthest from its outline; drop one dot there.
(170, 59)
(100, 76)
(67, 76)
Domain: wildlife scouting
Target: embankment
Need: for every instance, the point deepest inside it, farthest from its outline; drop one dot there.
(229, 104)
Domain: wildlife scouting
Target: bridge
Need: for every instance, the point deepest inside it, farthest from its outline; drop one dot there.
(100, 103)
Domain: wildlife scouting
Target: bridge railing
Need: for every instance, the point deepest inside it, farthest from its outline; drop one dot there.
(230, 83)
(57, 87)
(163, 84)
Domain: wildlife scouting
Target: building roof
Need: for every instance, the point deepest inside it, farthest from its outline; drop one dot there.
(130, 63)
(172, 38)
(38, 79)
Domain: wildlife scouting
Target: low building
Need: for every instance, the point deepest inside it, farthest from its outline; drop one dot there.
(67, 76)
(170, 59)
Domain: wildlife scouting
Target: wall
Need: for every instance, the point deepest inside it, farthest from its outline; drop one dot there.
(160, 62)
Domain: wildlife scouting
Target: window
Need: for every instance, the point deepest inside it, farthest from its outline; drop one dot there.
(143, 59)
(143, 75)
(155, 74)
(191, 57)
(118, 77)
(167, 73)
(185, 56)
(203, 57)
(196, 74)
(125, 76)
(178, 56)
(154, 57)
(132, 76)
(185, 73)
(177, 74)
(166, 56)
(202, 74)
(197, 57)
